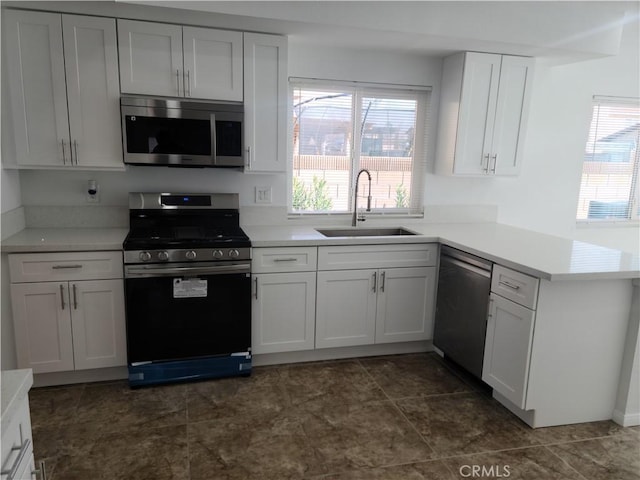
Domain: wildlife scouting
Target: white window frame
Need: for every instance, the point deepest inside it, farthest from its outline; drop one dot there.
(632, 219)
(359, 89)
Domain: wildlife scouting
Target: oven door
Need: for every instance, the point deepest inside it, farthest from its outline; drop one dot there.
(187, 311)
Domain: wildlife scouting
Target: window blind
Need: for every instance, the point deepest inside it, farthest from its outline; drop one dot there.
(609, 185)
(342, 127)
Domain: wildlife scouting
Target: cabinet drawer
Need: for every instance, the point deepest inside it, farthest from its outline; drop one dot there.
(377, 256)
(54, 267)
(516, 286)
(285, 259)
(17, 442)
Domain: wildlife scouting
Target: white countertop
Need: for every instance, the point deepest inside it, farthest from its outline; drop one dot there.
(544, 256)
(65, 240)
(14, 386)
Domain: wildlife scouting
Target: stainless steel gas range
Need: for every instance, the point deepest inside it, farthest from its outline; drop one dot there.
(188, 288)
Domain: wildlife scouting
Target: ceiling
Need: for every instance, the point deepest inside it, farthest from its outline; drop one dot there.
(554, 30)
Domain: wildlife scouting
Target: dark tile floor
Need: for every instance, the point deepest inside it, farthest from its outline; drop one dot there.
(398, 417)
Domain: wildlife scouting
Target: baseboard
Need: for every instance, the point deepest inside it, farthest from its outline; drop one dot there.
(626, 419)
(341, 353)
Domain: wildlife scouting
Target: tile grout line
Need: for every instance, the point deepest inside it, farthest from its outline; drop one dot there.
(564, 461)
(395, 406)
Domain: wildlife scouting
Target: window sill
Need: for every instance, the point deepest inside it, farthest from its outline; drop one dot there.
(607, 223)
(371, 215)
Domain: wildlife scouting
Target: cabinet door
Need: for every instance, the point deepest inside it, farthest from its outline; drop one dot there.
(42, 325)
(283, 312)
(405, 304)
(477, 113)
(511, 114)
(97, 314)
(507, 349)
(346, 308)
(150, 58)
(212, 63)
(265, 102)
(91, 63)
(35, 67)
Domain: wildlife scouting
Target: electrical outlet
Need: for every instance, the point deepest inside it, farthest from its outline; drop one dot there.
(95, 198)
(263, 194)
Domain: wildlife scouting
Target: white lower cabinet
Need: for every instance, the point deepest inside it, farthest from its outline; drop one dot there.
(283, 312)
(356, 306)
(346, 308)
(68, 323)
(405, 304)
(507, 350)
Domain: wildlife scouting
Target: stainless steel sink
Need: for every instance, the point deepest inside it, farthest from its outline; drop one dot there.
(363, 232)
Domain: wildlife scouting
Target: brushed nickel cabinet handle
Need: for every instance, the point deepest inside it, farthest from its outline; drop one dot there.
(75, 147)
(61, 267)
(495, 161)
(289, 259)
(42, 471)
(11, 473)
(375, 281)
(509, 285)
(256, 280)
(485, 168)
(64, 152)
(178, 80)
(384, 274)
(62, 296)
(75, 297)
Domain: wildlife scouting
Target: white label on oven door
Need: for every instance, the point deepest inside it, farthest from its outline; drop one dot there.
(189, 288)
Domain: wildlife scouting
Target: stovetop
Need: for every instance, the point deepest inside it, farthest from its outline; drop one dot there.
(188, 237)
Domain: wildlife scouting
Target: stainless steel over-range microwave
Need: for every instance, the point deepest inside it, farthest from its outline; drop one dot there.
(175, 132)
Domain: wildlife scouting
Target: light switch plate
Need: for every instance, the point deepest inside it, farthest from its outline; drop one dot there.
(263, 194)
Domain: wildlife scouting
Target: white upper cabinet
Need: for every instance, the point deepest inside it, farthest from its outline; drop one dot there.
(213, 63)
(56, 89)
(175, 61)
(150, 58)
(265, 102)
(483, 113)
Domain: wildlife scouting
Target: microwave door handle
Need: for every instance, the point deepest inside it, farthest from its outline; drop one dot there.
(214, 145)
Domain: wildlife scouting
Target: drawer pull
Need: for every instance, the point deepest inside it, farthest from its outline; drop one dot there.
(75, 297)
(288, 259)
(510, 285)
(61, 267)
(11, 473)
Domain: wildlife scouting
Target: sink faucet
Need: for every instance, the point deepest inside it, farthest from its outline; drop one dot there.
(355, 218)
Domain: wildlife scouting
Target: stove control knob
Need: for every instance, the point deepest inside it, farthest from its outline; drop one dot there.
(234, 253)
(145, 256)
(191, 254)
(163, 256)
(218, 254)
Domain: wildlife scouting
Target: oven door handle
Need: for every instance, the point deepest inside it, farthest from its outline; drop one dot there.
(180, 271)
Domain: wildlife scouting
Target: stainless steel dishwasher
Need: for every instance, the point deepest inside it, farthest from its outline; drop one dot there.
(464, 284)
